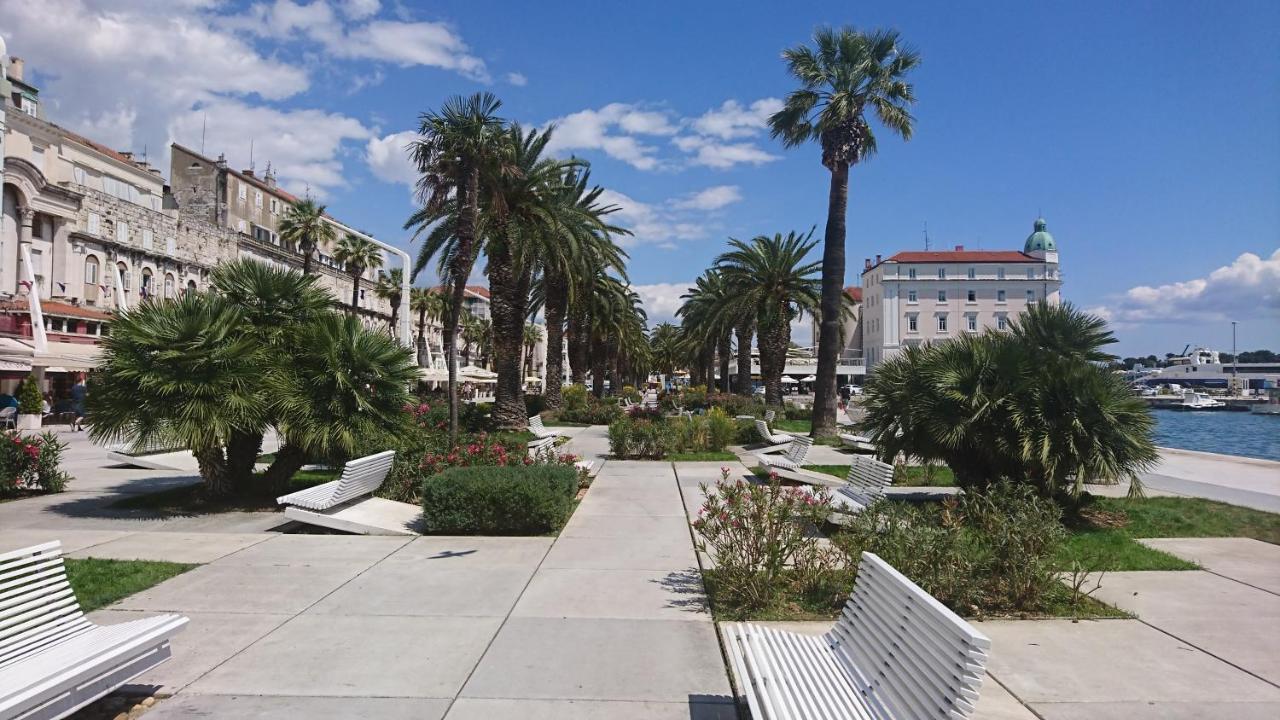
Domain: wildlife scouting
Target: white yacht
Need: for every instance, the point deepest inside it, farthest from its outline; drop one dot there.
(1271, 406)
(1192, 400)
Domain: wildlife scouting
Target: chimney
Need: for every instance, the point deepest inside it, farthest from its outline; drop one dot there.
(222, 160)
(877, 258)
(15, 68)
(127, 155)
(866, 264)
(248, 172)
(959, 248)
(270, 177)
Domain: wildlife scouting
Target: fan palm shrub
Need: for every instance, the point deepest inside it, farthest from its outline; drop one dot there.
(1033, 405)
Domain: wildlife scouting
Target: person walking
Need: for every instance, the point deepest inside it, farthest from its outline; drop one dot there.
(78, 394)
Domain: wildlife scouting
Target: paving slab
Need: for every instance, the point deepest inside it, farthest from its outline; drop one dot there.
(1054, 661)
(655, 502)
(1159, 711)
(428, 587)
(1234, 621)
(303, 550)
(72, 540)
(235, 588)
(624, 526)
(635, 594)
(623, 553)
(1249, 561)
(525, 709)
(367, 516)
(260, 707)
(206, 642)
(648, 660)
(323, 656)
(523, 552)
(173, 546)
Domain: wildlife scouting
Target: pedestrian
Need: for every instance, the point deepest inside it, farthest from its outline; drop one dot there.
(78, 394)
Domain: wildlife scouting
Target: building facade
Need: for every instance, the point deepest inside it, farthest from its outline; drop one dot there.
(915, 297)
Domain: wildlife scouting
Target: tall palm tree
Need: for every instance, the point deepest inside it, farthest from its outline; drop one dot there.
(428, 304)
(770, 276)
(846, 75)
(709, 317)
(532, 336)
(664, 343)
(390, 287)
(450, 152)
(357, 254)
(304, 226)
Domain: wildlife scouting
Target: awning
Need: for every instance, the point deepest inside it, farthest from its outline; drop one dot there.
(809, 378)
(64, 356)
(433, 374)
(788, 380)
(533, 379)
(476, 371)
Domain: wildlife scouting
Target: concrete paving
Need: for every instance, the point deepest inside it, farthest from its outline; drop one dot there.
(176, 547)
(1249, 482)
(1245, 560)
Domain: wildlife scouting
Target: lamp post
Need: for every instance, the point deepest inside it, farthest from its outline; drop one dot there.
(1235, 371)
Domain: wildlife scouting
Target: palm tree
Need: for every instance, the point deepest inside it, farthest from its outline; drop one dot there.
(847, 74)
(664, 343)
(709, 313)
(429, 305)
(532, 336)
(769, 275)
(304, 226)
(450, 152)
(390, 287)
(357, 254)
(1025, 406)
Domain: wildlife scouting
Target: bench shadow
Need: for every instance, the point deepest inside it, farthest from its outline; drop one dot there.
(713, 707)
(687, 591)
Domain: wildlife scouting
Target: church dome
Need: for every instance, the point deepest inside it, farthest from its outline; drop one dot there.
(1040, 239)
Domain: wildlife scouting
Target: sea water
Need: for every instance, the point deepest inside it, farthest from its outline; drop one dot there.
(1228, 433)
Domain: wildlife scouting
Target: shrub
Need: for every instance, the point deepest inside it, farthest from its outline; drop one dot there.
(534, 404)
(498, 500)
(647, 434)
(30, 401)
(734, 405)
(30, 463)
(573, 398)
(762, 541)
(629, 438)
(631, 393)
(722, 429)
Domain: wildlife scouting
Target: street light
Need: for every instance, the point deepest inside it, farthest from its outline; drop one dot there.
(1235, 371)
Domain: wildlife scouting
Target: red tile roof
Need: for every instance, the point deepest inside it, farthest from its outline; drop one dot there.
(854, 292)
(945, 256)
(53, 307)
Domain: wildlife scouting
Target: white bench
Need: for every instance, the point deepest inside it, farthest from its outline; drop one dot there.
(344, 504)
(895, 653)
(866, 483)
(858, 442)
(537, 428)
(776, 440)
(792, 459)
(53, 661)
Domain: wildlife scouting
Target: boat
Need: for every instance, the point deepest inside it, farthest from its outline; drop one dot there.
(1271, 406)
(1192, 400)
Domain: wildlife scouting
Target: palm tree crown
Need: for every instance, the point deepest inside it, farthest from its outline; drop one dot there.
(304, 226)
(357, 254)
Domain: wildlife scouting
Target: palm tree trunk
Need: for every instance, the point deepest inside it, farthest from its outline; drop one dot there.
(355, 291)
(422, 337)
(556, 296)
(773, 345)
(288, 461)
(243, 449)
(825, 397)
(508, 338)
(306, 259)
(599, 358)
(213, 471)
(469, 191)
(743, 378)
(395, 315)
(724, 362)
(579, 343)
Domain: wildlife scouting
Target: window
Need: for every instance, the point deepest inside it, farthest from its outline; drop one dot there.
(973, 274)
(911, 273)
(1001, 323)
(912, 324)
(243, 191)
(972, 296)
(95, 224)
(148, 286)
(79, 176)
(148, 239)
(942, 273)
(168, 286)
(263, 235)
(999, 273)
(942, 323)
(1031, 296)
(911, 296)
(37, 264)
(122, 232)
(942, 296)
(170, 245)
(257, 199)
(971, 323)
(37, 153)
(1000, 296)
(124, 276)
(91, 270)
(191, 286)
(275, 206)
(1031, 273)
(242, 226)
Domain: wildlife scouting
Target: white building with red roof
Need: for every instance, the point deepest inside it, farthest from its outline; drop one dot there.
(914, 297)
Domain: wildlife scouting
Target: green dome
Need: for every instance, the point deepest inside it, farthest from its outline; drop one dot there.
(1040, 239)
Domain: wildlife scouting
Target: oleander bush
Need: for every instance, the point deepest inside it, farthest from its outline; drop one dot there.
(579, 406)
(647, 434)
(488, 500)
(31, 463)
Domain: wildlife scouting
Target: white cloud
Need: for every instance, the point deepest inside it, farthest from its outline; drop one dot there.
(301, 145)
(610, 129)
(517, 79)
(731, 120)
(723, 156)
(360, 9)
(388, 158)
(661, 300)
(1248, 287)
(713, 198)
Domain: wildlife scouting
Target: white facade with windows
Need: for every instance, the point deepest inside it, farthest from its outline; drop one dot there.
(915, 297)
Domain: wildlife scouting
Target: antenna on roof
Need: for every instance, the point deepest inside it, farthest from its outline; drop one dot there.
(250, 153)
(204, 125)
(926, 236)
(144, 153)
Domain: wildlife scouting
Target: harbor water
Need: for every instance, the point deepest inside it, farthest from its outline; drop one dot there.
(1228, 433)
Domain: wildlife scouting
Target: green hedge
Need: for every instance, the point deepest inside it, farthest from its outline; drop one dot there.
(490, 500)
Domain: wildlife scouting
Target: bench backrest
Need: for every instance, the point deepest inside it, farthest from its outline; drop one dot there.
(769, 415)
(362, 476)
(867, 479)
(763, 429)
(535, 423)
(910, 655)
(37, 605)
(799, 449)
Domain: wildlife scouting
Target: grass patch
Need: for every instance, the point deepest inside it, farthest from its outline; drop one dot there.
(907, 475)
(792, 426)
(192, 500)
(98, 583)
(1104, 535)
(706, 456)
(564, 423)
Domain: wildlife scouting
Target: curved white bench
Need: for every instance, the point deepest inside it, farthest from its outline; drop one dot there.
(537, 428)
(53, 661)
(792, 459)
(896, 653)
(777, 439)
(866, 483)
(360, 477)
(343, 504)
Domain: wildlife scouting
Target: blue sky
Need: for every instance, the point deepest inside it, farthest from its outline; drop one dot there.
(1148, 134)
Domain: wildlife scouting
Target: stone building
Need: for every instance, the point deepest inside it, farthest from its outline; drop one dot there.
(915, 297)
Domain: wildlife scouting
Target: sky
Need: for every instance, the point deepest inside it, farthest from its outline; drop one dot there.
(1146, 133)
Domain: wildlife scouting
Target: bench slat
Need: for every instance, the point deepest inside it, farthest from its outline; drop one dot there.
(360, 477)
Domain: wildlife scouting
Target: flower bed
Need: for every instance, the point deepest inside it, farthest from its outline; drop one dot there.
(647, 434)
(498, 500)
(31, 463)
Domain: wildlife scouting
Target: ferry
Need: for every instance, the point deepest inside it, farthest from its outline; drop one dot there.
(1192, 400)
(1203, 368)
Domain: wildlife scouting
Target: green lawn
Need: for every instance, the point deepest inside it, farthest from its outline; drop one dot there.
(792, 426)
(191, 499)
(1105, 537)
(98, 583)
(709, 456)
(564, 423)
(915, 476)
